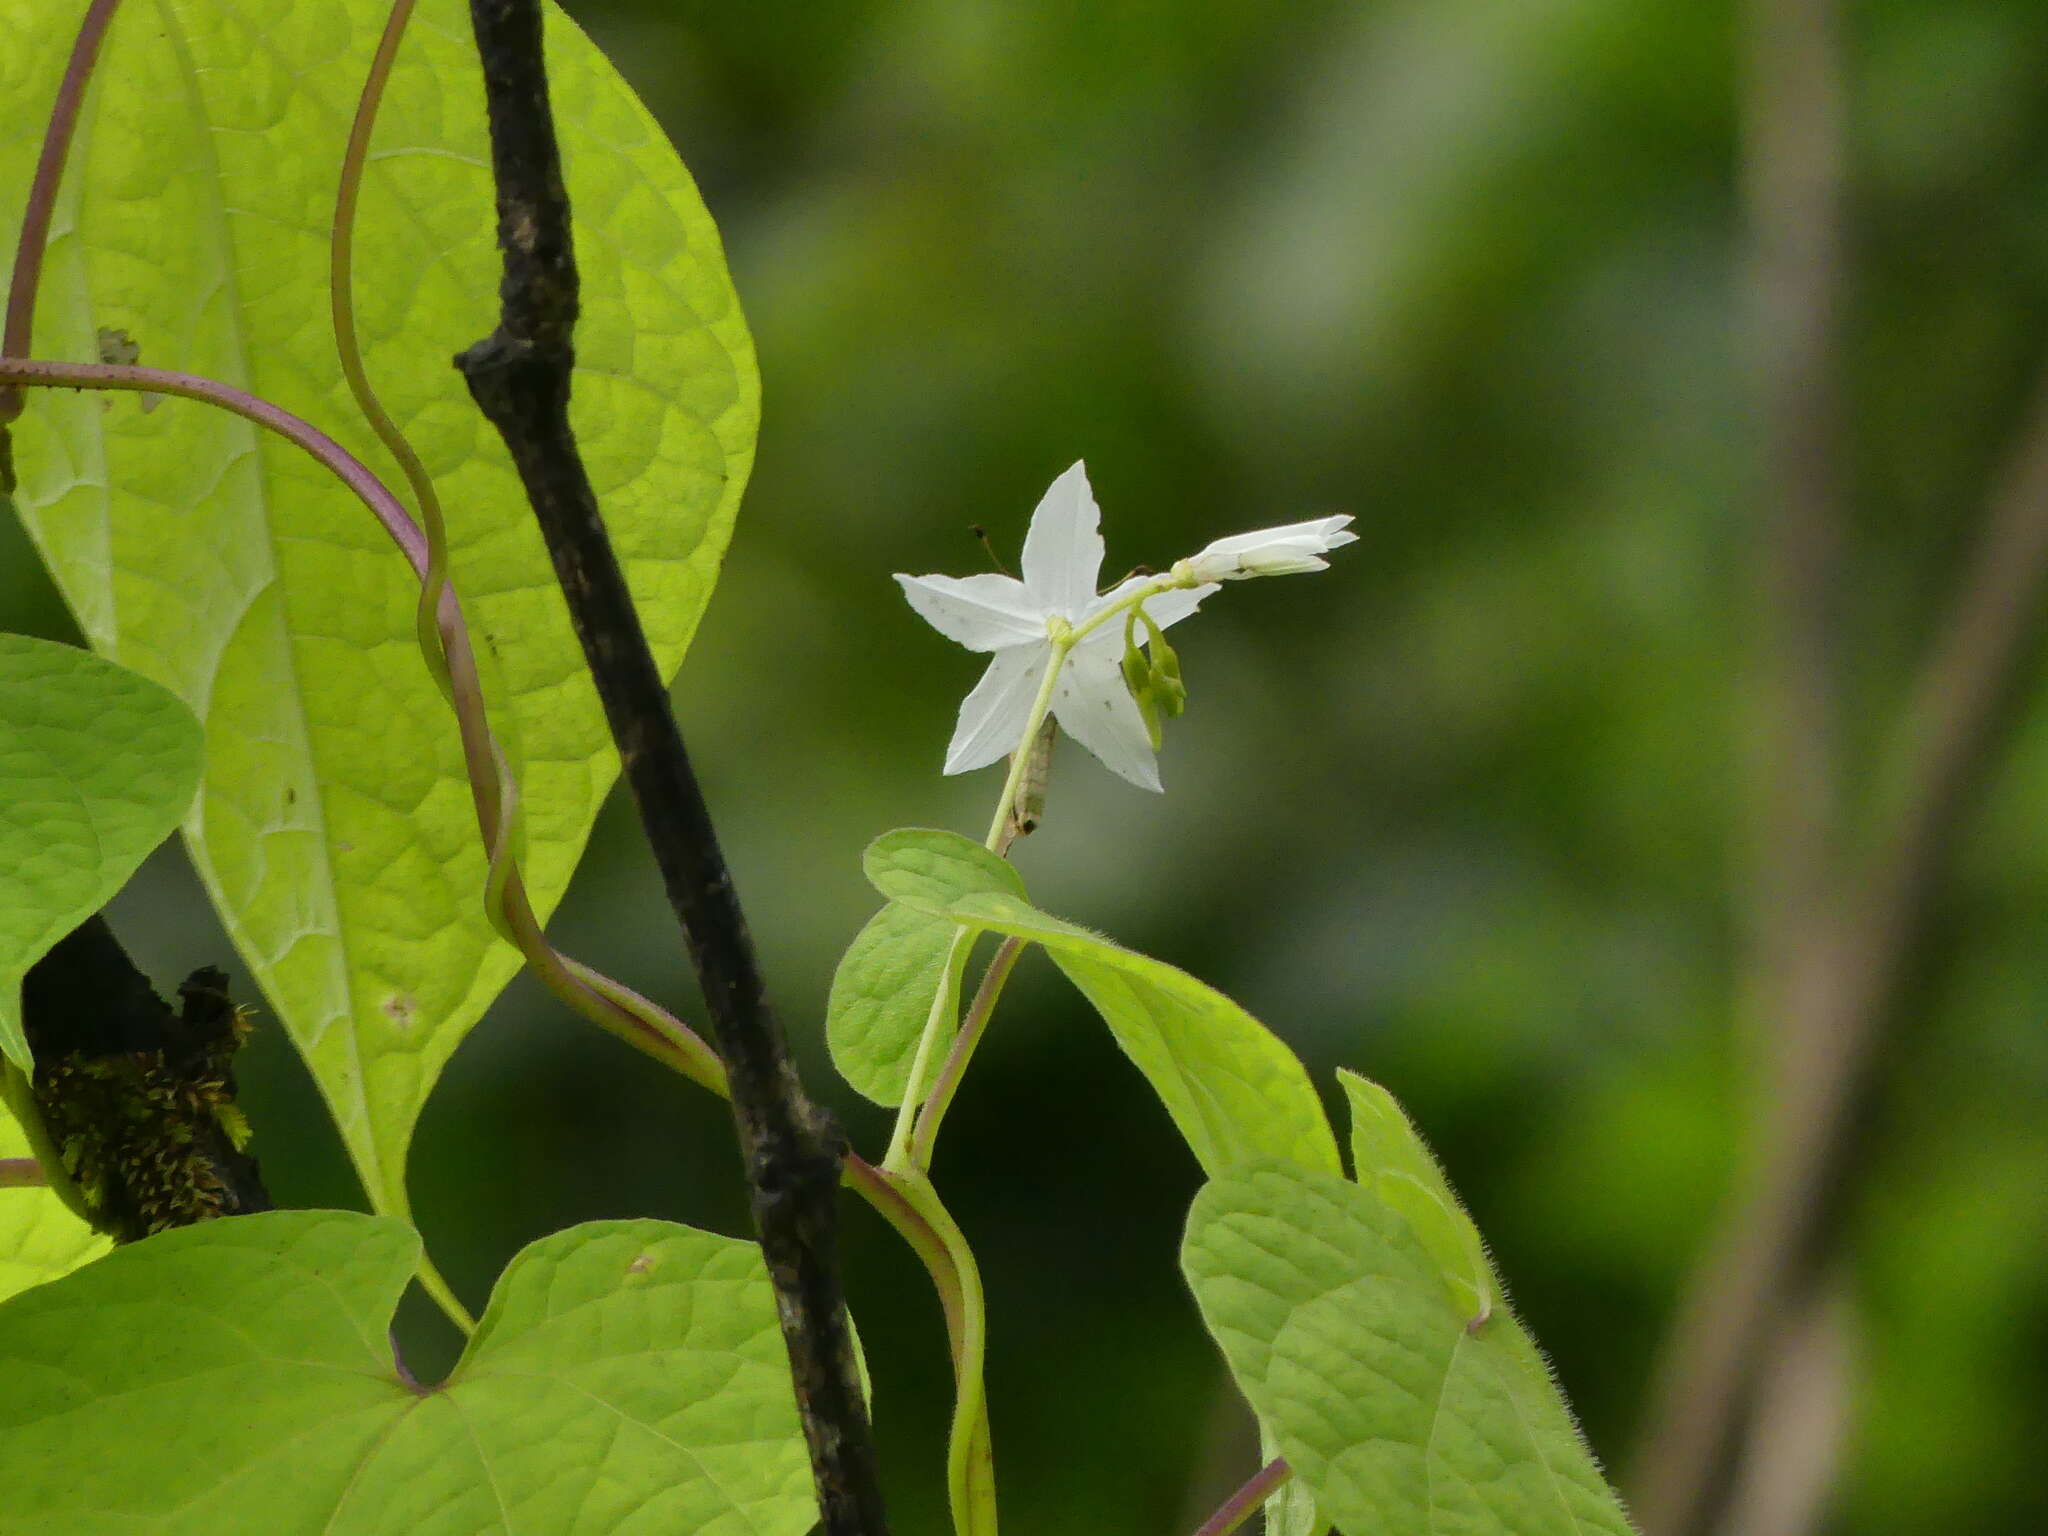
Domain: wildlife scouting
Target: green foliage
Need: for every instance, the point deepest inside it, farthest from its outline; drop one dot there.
(627, 1377)
(934, 871)
(97, 765)
(1232, 1087)
(334, 828)
(1389, 1157)
(905, 958)
(1397, 1415)
(40, 1236)
(900, 964)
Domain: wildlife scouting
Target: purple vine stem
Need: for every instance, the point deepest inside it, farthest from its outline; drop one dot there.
(350, 470)
(1240, 1506)
(42, 194)
(21, 1173)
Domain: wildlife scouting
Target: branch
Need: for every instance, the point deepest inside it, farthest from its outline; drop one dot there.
(1792, 173)
(1832, 991)
(520, 378)
(1846, 1007)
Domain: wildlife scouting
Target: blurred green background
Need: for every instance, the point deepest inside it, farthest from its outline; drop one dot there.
(1462, 813)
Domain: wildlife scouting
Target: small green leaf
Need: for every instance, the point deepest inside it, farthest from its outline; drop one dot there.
(40, 1237)
(1234, 1090)
(1390, 1409)
(97, 766)
(628, 1377)
(1390, 1158)
(932, 870)
(882, 994)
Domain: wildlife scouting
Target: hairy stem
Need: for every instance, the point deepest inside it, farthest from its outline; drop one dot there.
(520, 377)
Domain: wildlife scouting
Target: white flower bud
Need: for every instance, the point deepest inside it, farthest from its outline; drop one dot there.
(1268, 552)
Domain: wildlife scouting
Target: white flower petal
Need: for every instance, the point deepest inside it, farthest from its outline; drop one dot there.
(1063, 547)
(1169, 607)
(992, 717)
(1280, 551)
(1093, 705)
(983, 613)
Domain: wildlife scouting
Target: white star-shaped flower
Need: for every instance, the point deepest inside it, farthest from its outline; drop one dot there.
(1017, 620)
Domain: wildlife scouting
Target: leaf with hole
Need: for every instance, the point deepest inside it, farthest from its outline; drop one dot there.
(97, 766)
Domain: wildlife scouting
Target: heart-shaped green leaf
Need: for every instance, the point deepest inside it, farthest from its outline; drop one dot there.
(235, 1379)
(97, 765)
(334, 828)
(1232, 1087)
(1394, 1412)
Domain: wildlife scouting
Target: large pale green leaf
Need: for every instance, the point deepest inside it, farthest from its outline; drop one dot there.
(1394, 1412)
(235, 1379)
(1232, 1087)
(334, 828)
(97, 766)
(40, 1237)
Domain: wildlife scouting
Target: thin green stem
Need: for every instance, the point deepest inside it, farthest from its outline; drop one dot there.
(972, 1028)
(443, 1295)
(1241, 1505)
(348, 346)
(898, 1158)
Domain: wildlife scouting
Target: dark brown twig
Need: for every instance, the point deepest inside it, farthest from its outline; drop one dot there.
(520, 378)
